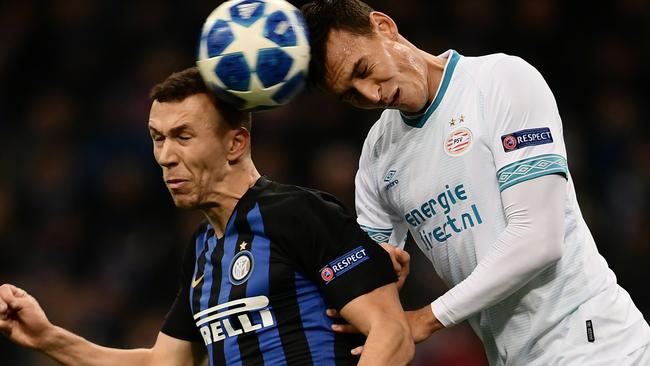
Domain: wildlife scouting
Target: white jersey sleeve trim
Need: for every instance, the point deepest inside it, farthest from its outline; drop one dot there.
(376, 234)
(526, 169)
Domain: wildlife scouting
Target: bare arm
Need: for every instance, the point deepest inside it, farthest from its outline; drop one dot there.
(70, 349)
(379, 315)
(23, 321)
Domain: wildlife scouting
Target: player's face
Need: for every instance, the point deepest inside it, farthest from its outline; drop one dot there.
(375, 72)
(189, 148)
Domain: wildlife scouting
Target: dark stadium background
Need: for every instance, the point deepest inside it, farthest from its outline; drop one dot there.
(86, 224)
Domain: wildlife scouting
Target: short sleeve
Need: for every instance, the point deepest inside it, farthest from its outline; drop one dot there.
(334, 252)
(527, 139)
(179, 322)
(372, 216)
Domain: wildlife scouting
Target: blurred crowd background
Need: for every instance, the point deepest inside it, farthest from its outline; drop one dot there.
(88, 228)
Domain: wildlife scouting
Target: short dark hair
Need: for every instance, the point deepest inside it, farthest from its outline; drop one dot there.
(322, 16)
(188, 82)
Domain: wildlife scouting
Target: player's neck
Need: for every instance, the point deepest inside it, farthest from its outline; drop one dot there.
(227, 194)
(435, 68)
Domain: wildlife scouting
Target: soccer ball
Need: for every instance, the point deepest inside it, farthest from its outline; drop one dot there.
(254, 53)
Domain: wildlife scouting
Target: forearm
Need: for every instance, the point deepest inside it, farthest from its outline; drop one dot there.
(494, 279)
(23, 321)
(379, 315)
(388, 343)
(531, 241)
(73, 350)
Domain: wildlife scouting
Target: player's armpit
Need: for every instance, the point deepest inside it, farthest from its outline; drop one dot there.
(379, 315)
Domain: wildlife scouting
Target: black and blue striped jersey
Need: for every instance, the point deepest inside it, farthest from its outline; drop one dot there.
(258, 294)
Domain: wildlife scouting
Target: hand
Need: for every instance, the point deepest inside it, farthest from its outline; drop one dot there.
(344, 328)
(423, 323)
(21, 318)
(341, 327)
(401, 263)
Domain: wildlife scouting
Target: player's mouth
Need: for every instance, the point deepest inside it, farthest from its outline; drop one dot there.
(395, 101)
(176, 183)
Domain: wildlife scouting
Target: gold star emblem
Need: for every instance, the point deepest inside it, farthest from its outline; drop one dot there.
(452, 122)
(461, 119)
(243, 245)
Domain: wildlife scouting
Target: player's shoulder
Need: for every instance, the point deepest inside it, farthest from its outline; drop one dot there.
(496, 68)
(280, 199)
(481, 64)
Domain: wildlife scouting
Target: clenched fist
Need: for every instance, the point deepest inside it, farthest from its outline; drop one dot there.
(21, 318)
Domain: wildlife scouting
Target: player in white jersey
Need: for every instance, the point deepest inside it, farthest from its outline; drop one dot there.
(469, 158)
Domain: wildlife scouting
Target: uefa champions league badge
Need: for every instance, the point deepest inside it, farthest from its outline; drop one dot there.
(327, 274)
(241, 267)
(458, 142)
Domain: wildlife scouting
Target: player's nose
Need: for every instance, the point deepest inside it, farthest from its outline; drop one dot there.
(370, 92)
(167, 156)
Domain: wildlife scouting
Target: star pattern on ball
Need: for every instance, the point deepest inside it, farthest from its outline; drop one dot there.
(300, 59)
(261, 97)
(260, 54)
(249, 41)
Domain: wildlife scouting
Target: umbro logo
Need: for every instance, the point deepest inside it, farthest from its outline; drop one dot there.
(389, 179)
(389, 175)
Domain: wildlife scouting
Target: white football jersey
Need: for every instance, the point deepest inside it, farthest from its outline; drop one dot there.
(440, 176)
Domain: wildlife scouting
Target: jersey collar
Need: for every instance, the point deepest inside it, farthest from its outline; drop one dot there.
(419, 121)
(247, 200)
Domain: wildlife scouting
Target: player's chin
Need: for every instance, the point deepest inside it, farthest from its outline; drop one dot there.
(184, 201)
(414, 109)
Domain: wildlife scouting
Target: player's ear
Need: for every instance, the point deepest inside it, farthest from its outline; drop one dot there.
(239, 144)
(384, 25)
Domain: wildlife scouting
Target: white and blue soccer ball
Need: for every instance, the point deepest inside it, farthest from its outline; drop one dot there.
(254, 53)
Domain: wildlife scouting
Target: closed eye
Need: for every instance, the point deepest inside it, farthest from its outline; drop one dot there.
(363, 72)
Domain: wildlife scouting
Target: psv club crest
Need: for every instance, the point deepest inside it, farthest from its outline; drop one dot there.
(458, 141)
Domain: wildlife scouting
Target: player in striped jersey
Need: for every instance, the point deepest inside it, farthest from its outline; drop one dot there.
(259, 273)
(468, 156)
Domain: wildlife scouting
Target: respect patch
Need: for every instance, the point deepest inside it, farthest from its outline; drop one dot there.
(524, 138)
(344, 263)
